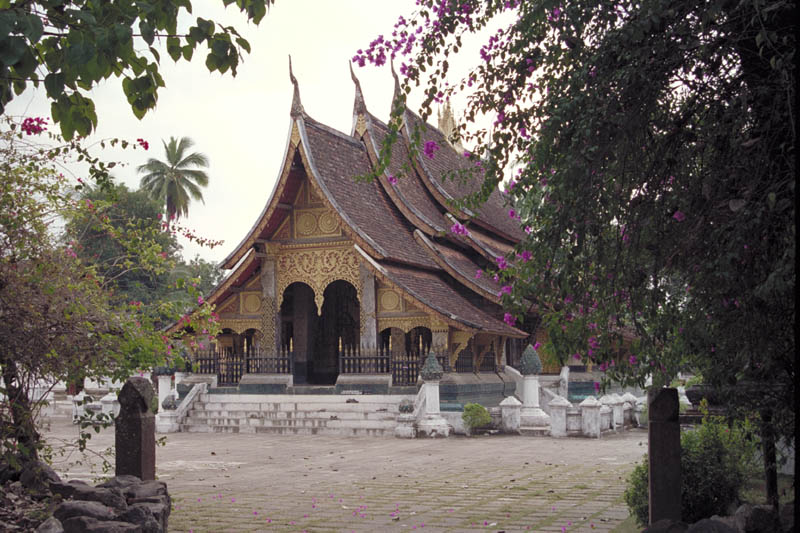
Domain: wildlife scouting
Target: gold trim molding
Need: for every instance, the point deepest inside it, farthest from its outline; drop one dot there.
(240, 325)
(405, 323)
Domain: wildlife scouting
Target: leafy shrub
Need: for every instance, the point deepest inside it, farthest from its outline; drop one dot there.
(715, 462)
(475, 416)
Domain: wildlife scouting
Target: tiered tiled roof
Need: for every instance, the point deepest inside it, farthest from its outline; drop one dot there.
(401, 227)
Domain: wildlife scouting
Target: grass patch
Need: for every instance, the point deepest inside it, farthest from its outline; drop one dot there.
(754, 490)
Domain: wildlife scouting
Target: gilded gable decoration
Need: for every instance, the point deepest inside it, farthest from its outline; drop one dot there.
(315, 223)
(317, 267)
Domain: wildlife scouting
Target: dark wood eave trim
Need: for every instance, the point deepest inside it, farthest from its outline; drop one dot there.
(444, 198)
(417, 218)
(440, 260)
(269, 208)
(458, 323)
(386, 278)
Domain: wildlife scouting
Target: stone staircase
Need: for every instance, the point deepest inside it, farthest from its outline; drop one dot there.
(295, 414)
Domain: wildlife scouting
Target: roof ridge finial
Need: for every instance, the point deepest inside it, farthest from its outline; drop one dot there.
(297, 105)
(359, 106)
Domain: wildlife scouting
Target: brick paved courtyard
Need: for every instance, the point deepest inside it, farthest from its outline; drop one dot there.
(222, 483)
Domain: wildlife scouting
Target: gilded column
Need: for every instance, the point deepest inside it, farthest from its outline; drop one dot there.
(270, 319)
(369, 325)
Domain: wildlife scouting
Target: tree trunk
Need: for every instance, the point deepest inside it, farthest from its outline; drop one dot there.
(770, 458)
(24, 432)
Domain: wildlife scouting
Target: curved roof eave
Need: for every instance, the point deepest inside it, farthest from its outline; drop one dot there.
(452, 269)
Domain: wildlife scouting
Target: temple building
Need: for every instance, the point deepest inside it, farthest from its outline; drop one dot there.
(340, 280)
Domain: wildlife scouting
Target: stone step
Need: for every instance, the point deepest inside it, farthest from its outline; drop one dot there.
(296, 406)
(293, 415)
(290, 422)
(285, 430)
(532, 431)
(328, 399)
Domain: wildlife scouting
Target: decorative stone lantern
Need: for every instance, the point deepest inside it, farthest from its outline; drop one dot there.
(533, 419)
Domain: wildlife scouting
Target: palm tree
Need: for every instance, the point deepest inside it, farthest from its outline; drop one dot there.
(173, 182)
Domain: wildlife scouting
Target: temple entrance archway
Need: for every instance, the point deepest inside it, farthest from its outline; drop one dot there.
(299, 326)
(338, 332)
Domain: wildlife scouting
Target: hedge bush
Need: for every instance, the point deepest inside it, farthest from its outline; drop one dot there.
(716, 460)
(475, 416)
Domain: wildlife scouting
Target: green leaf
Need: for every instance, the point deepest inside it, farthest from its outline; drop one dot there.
(147, 31)
(78, 54)
(54, 84)
(35, 29)
(13, 50)
(212, 62)
(174, 48)
(187, 52)
(243, 43)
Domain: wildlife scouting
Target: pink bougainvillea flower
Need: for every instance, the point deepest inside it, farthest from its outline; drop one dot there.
(596, 389)
(509, 319)
(537, 345)
(459, 229)
(505, 289)
(200, 300)
(392, 179)
(478, 274)
(632, 359)
(430, 149)
(679, 216)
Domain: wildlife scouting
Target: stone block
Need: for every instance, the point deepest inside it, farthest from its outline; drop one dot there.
(71, 508)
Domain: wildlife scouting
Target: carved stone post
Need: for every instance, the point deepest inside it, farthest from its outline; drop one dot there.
(432, 424)
(664, 454)
(135, 439)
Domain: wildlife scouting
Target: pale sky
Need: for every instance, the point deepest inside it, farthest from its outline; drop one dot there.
(242, 123)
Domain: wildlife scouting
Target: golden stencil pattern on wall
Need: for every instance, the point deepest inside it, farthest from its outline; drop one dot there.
(317, 267)
(389, 301)
(229, 306)
(405, 323)
(250, 302)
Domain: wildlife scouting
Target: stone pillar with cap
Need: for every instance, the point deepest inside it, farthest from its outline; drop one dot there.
(164, 389)
(532, 418)
(135, 428)
(558, 416)
(510, 409)
(430, 422)
(590, 417)
(664, 454)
